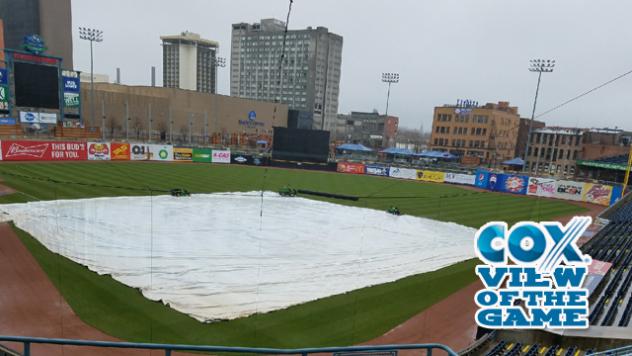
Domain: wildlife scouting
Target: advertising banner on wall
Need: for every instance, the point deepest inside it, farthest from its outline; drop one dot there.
(220, 156)
(72, 88)
(4, 89)
(509, 183)
(98, 151)
(48, 118)
(402, 173)
(460, 178)
(250, 160)
(431, 176)
(119, 151)
(482, 178)
(377, 170)
(202, 155)
(569, 190)
(182, 154)
(29, 117)
(139, 152)
(542, 187)
(43, 151)
(596, 272)
(349, 167)
(597, 193)
(160, 152)
(616, 194)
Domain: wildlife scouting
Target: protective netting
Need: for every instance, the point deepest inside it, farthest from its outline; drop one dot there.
(223, 256)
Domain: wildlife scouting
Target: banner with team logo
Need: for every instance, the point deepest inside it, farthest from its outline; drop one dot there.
(160, 152)
(43, 151)
(220, 156)
(542, 187)
(120, 151)
(597, 193)
(98, 151)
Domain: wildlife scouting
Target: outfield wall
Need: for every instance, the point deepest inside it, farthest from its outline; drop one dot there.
(20, 150)
(595, 193)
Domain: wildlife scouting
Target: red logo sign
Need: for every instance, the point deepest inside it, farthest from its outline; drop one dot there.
(353, 168)
(44, 151)
(17, 150)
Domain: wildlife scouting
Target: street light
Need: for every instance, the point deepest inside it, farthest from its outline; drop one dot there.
(92, 35)
(389, 78)
(540, 66)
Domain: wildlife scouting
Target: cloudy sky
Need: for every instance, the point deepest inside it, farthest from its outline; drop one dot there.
(443, 49)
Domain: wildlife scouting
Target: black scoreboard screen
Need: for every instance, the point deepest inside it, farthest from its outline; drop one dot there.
(36, 85)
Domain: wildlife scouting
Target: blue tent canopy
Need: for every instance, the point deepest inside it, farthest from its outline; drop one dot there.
(514, 162)
(398, 151)
(436, 154)
(354, 147)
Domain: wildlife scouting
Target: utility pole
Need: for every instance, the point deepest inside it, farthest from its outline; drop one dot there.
(127, 120)
(151, 119)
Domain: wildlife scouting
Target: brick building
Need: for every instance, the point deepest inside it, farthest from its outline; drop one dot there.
(488, 132)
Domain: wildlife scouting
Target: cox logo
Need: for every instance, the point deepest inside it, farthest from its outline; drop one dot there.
(543, 245)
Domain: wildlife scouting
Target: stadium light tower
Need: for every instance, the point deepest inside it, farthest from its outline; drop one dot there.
(220, 62)
(92, 35)
(389, 78)
(540, 66)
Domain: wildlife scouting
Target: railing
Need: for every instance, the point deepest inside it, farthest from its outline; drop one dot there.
(627, 350)
(168, 348)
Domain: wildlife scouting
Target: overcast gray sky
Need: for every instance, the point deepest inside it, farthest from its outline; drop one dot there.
(443, 49)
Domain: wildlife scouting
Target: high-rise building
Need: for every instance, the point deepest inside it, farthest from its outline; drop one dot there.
(309, 80)
(488, 132)
(189, 62)
(51, 20)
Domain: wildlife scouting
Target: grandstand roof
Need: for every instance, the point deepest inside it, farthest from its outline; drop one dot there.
(354, 147)
(619, 162)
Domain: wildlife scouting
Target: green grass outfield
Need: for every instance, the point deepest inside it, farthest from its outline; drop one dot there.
(338, 320)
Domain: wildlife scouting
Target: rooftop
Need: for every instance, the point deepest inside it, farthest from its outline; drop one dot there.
(192, 37)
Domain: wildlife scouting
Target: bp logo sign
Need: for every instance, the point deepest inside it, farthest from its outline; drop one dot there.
(533, 275)
(163, 154)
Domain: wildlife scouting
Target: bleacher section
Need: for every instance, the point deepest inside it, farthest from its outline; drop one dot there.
(611, 301)
(614, 162)
(611, 306)
(506, 348)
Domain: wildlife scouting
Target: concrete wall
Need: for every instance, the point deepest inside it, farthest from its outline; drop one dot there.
(56, 29)
(206, 114)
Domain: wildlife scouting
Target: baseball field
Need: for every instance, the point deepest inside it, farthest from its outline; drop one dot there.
(343, 319)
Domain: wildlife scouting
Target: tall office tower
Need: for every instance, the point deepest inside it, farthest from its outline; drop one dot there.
(309, 80)
(189, 62)
(51, 20)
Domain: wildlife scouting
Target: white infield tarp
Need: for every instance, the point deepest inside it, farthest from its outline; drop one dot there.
(223, 256)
